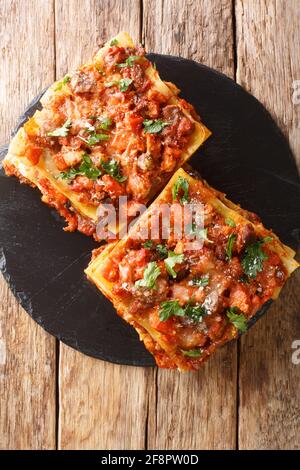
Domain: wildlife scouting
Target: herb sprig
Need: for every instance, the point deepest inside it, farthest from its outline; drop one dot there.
(61, 131)
(181, 188)
(111, 167)
(151, 273)
(171, 261)
(86, 168)
(237, 318)
(254, 256)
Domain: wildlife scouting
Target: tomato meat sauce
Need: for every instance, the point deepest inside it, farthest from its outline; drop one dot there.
(197, 299)
(110, 132)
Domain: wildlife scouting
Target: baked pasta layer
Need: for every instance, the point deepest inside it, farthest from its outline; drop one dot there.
(111, 128)
(186, 301)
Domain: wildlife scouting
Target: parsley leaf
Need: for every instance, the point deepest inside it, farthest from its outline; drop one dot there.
(237, 319)
(110, 84)
(252, 261)
(170, 308)
(230, 222)
(230, 242)
(66, 175)
(105, 123)
(197, 352)
(182, 186)
(154, 126)
(111, 167)
(124, 83)
(199, 281)
(129, 62)
(63, 82)
(199, 232)
(171, 261)
(162, 250)
(96, 138)
(148, 244)
(61, 131)
(195, 312)
(151, 273)
(87, 168)
(114, 42)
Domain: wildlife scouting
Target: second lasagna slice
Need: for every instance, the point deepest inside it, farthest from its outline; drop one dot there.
(112, 128)
(188, 285)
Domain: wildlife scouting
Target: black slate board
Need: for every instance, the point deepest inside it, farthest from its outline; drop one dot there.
(247, 157)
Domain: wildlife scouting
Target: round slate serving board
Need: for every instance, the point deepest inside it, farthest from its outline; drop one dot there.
(247, 157)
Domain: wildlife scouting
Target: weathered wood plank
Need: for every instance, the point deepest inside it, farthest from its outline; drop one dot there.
(268, 61)
(102, 406)
(27, 353)
(193, 411)
(197, 29)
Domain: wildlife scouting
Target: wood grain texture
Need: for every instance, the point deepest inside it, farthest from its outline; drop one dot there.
(101, 405)
(105, 406)
(197, 29)
(183, 414)
(268, 61)
(27, 353)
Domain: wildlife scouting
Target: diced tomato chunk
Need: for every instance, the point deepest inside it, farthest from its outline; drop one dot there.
(114, 188)
(33, 154)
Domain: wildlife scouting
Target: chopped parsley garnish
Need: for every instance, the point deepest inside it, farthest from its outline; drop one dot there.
(237, 319)
(129, 62)
(61, 131)
(124, 83)
(170, 308)
(197, 352)
(230, 222)
(63, 82)
(252, 261)
(111, 167)
(171, 261)
(230, 242)
(151, 273)
(195, 312)
(114, 42)
(86, 168)
(154, 126)
(162, 250)
(181, 187)
(199, 232)
(199, 281)
(96, 138)
(70, 174)
(105, 123)
(110, 84)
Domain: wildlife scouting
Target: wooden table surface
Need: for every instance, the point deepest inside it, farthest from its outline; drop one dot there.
(247, 396)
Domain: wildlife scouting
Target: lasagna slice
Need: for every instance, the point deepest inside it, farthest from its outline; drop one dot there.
(189, 293)
(112, 128)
